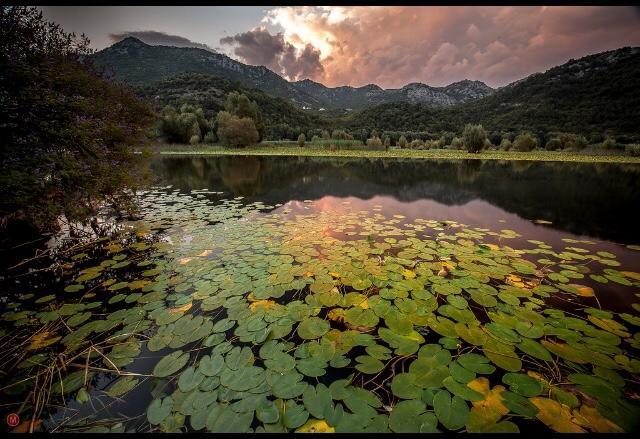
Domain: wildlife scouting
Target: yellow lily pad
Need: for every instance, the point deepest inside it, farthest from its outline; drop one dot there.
(556, 416)
(315, 426)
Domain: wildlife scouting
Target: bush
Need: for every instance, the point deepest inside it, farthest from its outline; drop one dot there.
(610, 143)
(505, 145)
(315, 139)
(326, 135)
(573, 141)
(374, 143)
(473, 137)
(525, 142)
(301, 140)
(236, 131)
(194, 140)
(341, 135)
(456, 143)
(210, 137)
(402, 142)
(553, 144)
(488, 144)
(633, 149)
(387, 143)
(416, 144)
(581, 142)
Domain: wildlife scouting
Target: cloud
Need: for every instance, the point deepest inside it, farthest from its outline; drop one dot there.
(393, 46)
(157, 38)
(259, 47)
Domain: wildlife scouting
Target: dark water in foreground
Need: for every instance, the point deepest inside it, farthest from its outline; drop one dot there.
(352, 248)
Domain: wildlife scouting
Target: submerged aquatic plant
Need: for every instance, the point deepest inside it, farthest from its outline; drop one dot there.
(261, 318)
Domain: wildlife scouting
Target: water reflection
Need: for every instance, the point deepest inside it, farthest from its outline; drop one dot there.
(597, 200)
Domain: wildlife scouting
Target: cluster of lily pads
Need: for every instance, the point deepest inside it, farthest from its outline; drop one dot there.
(263, 318)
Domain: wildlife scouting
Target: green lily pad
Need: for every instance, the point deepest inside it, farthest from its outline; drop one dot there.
(122, 386)
(159, 410)
(211, 365)
(369, 365)
(452, 412)
(286, 386)
(268, 412)
(461, 390)
(171, 364)
(312, 328)
(523, 384)
(189, 379)
(518, 404)
(317, 400)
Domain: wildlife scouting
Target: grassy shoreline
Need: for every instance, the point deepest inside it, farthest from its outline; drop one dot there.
(310, 151)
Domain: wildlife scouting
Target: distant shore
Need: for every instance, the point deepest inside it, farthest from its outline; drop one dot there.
(314, 151)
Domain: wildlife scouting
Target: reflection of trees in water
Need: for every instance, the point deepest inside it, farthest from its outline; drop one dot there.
(241, 176)
(597, 199)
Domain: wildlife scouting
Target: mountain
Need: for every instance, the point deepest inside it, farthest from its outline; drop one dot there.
(134, 62)
(590, 95)
(357, 98)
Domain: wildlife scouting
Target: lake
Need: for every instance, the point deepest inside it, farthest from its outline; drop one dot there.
(351, 295)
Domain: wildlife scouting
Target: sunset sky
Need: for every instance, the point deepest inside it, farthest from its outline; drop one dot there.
(385, 45)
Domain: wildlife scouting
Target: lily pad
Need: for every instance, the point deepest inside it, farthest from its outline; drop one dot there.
(171, 364)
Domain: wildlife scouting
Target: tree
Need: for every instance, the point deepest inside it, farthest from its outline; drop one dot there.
(402, 142)
(387, 143)
(525, 142)
(301, 140)
(238, 104)
(374, 143)
(553, 144)
(505, 145)
(236, 131)
(473, 137)
(68, 135)
(180, 127)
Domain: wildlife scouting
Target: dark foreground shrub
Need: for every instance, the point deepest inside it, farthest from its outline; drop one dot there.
(68, 135)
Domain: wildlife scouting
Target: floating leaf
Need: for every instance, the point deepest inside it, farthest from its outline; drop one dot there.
(159, 410)
(451, 412)
(556, 416)
(369, 365)
(523, 384)
(315, 426)
(171, 364)
(122, 386)
(313, 327)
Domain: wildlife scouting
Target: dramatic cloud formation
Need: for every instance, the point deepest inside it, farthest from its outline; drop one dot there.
(392, 46)
(259, 47)
(156, 38)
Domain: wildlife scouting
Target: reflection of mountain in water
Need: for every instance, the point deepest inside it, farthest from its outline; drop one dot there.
(593, 199)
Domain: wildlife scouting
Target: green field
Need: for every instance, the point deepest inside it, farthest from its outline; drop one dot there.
(291, 149)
